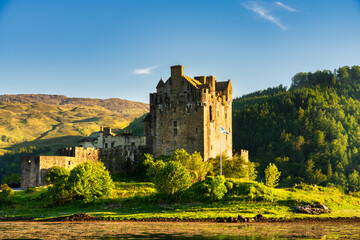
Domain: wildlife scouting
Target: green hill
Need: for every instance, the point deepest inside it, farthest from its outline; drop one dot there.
(52, 121)
(311, 132)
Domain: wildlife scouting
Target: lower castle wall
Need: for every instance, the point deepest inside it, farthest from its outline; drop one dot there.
(117, 160)
(123, 159)
(34, 169)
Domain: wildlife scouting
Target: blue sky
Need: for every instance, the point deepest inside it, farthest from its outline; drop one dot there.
(121, 48)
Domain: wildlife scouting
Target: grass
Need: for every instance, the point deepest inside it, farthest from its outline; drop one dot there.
(139, 200)
(28, 123)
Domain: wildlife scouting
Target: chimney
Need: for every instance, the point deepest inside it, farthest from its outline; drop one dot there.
(177, 71)
(211, 81)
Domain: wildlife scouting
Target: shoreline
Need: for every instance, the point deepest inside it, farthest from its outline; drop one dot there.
(81, 217)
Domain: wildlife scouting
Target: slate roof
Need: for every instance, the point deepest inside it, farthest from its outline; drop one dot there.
(221, 86)
(160, 84)
(193, 82)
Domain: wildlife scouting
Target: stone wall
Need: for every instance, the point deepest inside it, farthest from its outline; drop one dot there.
(34, 169)
(122, 159)
(187, 113)
(117, 160)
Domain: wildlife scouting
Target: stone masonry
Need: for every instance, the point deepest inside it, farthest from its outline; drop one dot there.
(187, 113)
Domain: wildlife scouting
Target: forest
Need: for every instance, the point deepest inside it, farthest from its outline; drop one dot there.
(311, 131)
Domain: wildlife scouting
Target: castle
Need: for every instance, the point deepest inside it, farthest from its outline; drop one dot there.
(187, 113)
(184, 113)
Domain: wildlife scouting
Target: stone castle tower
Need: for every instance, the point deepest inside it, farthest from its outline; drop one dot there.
(187, 113)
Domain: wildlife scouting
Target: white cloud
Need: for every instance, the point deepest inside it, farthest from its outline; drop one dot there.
(290, 9)
(263, 13)
(143, 71)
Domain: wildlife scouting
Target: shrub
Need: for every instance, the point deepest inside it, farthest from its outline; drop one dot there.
(248, 190)
(87, 182)
(236, 167)
(194, 163)
(170, 178)
(211, 189)
(12, 179)
(57, 174)
(5, 194)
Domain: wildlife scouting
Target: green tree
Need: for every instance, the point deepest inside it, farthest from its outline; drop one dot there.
(272, 175)
(354, 181)
(86, 182)
(5, 194)
(57, 174)
(90, 181)
(170, 178)
(194, 163)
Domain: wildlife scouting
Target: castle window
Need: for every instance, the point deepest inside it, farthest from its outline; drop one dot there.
(69, 163)
(210, 113)
(133, 144)
(112, 144)
(175, 125)
(225, 115)
(196, 131)
(106, 145)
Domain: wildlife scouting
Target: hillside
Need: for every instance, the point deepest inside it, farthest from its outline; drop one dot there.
(39, 119)
(311, 132)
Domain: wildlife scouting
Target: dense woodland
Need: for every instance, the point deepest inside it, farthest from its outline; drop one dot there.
(311, 131)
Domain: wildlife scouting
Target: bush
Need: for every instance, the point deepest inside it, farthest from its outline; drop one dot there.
(57, 174)
(194, 163)
(248, 190)
(236, 167)
(211, 189)
(5, 194)
(87, 182)
(170, 178)
(13, 179)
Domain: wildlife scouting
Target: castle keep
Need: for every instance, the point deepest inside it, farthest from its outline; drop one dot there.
(187, 113)
(184, 113)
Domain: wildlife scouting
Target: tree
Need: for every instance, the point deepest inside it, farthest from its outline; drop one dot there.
(87, 182)
(90, 181)
(354, 181)
(57, 174)
(272, 175)
(194, 163)
(170, 178)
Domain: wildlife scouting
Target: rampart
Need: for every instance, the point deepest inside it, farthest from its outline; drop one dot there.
(117, 160)
(34, 169)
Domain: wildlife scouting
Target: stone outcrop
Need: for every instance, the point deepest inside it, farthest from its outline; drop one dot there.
(314, 209)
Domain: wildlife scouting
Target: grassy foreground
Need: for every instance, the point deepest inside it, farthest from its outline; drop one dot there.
(140, 201)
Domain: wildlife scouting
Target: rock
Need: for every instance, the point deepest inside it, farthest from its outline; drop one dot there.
(240, 218)
(314, 209)
(230, 219)
(259, 217)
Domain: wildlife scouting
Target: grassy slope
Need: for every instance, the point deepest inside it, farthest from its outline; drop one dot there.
(58, 124)
(131, 200)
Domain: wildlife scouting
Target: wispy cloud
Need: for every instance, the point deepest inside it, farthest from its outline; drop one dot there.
(143, 71)
(263, 13)
(290, 9)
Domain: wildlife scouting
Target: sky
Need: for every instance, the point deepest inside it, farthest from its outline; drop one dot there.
(121, 48)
